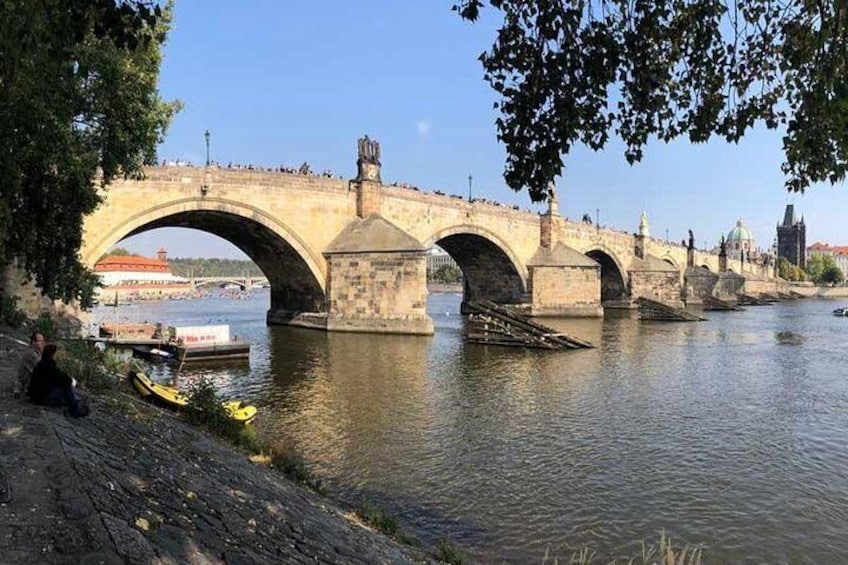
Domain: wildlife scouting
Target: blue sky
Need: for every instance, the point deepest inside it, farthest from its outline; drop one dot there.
(287, 82)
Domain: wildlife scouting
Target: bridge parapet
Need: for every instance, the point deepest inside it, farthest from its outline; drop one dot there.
(243, 177)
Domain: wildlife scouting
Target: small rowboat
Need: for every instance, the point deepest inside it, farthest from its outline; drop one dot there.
(173, 398)
(151, 353)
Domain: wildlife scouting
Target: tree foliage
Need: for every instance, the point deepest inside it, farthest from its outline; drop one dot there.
(79, 107)
(447, 274)
(121, 251)
(199, 267)
(576, 71)
(832, 275)
(822, 269)
(790, 272)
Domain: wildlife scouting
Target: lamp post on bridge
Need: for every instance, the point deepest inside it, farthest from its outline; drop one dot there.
(207, 135)
(470, 178)
(666, 235)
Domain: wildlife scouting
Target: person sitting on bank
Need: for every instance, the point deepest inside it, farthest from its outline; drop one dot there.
(30, 358)
(50, 386)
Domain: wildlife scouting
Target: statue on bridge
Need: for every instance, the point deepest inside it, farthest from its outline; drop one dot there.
(368, 161)
(369, 150)
(553, 201)
(691, 240)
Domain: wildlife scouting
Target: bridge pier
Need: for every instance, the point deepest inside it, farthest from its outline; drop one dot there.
(653, 278)
(563, 281)
(377, 280)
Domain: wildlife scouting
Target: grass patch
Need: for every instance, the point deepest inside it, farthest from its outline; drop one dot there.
(10, 314)
(446, 552)
(661, 553)
(286, 458)
(206, 409)
(96, 370)
(377, 518)
(46, 326)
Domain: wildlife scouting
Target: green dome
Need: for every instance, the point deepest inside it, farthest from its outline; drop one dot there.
(740, 233)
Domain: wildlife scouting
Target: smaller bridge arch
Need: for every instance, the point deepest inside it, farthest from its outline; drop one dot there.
(670, 260)
(614, 285)
(490, 267)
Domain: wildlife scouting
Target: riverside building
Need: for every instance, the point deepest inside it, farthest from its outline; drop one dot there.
(131, 277)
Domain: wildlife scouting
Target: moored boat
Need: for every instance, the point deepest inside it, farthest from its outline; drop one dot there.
(172, 397)
(840, 312)
(207, 343)
(150, 353)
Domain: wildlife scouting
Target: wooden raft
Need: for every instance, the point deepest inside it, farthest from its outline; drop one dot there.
(749, 300)
(655, 310)
(713, 303)
(492, 324)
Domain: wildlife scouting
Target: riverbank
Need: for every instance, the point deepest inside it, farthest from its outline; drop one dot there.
(133, 484)
(441, 287)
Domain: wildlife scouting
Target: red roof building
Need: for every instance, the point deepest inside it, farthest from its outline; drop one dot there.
(131, 275)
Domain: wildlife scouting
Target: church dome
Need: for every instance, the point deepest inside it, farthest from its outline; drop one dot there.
(740, 233)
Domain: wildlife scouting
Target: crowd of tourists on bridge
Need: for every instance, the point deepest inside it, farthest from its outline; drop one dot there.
(304, 169)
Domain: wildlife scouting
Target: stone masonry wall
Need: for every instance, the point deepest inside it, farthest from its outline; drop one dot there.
(657, 285)
(700, 283)
(30, 300)
(760, 286)
(566, 291)
(729, 284)
(378, 292)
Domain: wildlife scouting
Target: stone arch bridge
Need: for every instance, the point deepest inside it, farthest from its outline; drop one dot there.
(350, 255)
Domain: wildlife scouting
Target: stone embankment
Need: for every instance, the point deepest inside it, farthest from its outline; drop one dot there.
(133, 484)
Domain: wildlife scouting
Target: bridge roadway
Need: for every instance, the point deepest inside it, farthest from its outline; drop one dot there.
(350, 255)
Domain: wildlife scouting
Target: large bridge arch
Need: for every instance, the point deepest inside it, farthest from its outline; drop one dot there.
(613, 279)
(296, 273)
(490, 266)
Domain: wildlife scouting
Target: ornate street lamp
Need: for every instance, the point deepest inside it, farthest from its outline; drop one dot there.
(207, 135)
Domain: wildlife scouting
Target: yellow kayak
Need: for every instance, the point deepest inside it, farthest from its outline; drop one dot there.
(173, 398)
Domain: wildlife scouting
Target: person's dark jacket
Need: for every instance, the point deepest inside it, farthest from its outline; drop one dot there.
(45, 377)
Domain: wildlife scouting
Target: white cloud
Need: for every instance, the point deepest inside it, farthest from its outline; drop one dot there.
(423, 127)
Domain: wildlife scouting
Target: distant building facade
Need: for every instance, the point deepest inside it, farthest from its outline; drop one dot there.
(740, 240)
(838, 252)
(131, 276)
(792, 238)
(438, 258)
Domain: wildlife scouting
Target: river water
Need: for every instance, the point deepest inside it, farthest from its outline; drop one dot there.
(729, 433)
